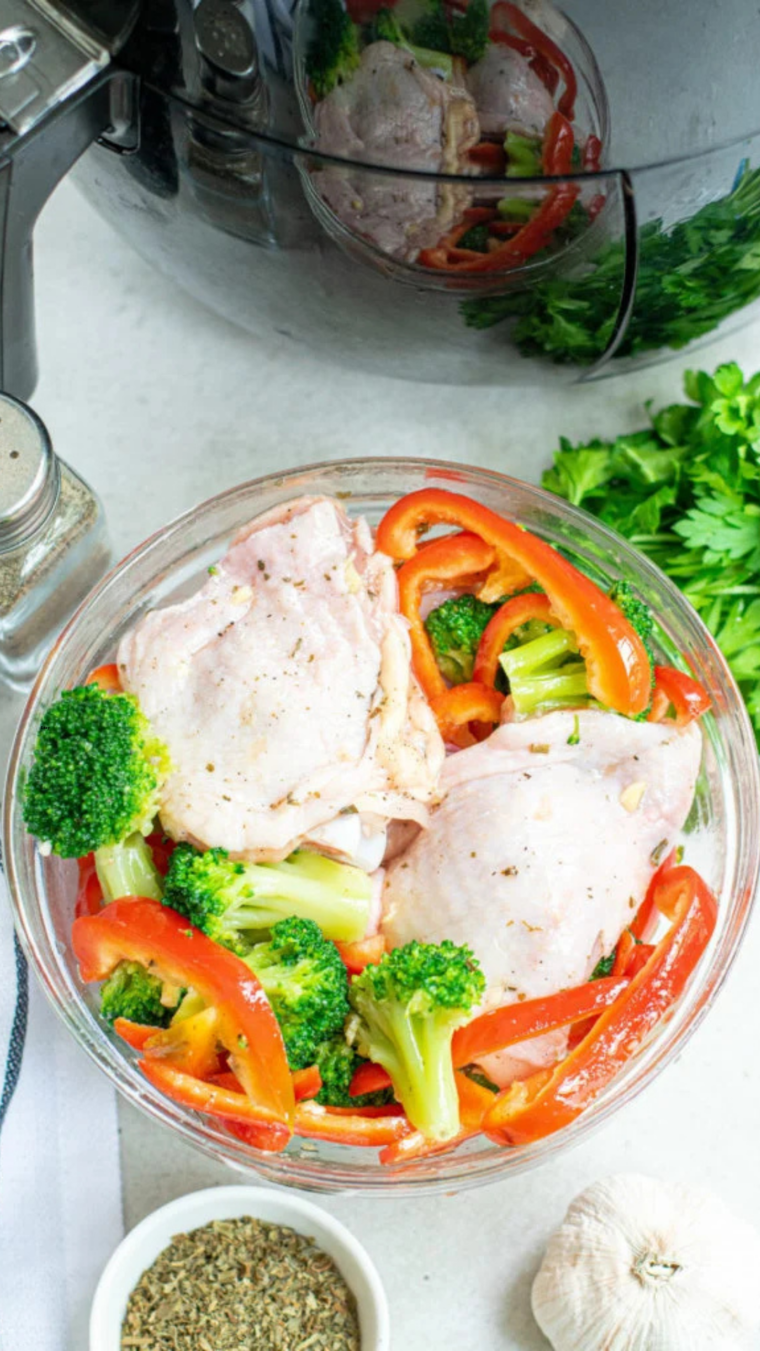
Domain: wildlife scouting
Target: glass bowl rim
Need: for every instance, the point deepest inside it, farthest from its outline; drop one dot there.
(90, 1035)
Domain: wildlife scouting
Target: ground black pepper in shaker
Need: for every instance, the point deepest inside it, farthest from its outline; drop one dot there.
(53, 542)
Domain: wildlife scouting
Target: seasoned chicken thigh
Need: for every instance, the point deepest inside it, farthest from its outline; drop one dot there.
(508, 95)
(394, 112)
(284, 693)
(541, 850)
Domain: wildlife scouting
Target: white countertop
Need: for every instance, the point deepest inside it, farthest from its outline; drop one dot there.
(160, 404)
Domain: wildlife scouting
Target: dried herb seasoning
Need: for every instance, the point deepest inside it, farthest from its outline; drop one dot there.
(241, 1285)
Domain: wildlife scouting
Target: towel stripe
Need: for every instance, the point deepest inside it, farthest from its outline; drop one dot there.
(18, 1032)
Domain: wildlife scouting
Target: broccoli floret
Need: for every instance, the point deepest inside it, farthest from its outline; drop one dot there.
(462, 34)
(230, 901)
(638, 614)
(94, 786)
(305, 981)
(97, 772)
(133, 992)
(337, 1063)
(386, 28)
(409, 1006)
(332, 55)
(543, 675)
(455, 629)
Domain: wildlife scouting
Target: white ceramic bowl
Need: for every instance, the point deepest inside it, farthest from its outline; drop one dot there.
(143, 1244)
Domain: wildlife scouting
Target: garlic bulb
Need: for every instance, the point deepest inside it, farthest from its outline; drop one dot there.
(644, 1265)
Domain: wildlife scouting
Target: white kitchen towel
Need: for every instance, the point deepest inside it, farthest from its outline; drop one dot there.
(60, 1182)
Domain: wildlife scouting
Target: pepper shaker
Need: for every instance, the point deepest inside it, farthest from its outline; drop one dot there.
(53, 542)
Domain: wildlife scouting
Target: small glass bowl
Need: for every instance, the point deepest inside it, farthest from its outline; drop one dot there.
(721, 834)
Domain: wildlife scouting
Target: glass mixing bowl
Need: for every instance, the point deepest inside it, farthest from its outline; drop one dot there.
(721, 836)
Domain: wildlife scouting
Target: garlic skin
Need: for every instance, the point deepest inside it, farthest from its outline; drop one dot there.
(644, 1265)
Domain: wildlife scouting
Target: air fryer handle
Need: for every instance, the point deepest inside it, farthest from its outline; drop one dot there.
(28, 174)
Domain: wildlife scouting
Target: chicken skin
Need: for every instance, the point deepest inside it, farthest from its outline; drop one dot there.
(541, 850)
(283, 690)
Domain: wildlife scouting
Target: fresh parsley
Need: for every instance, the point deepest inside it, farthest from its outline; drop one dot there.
(686, 492)
(690, 278)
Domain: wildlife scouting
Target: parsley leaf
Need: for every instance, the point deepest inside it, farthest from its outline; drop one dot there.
(686, 492)
(690, 278)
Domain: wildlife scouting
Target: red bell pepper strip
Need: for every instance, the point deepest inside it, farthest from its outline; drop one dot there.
(514, 612)
(474, 1102)
(552, 1099)
(592, 154)
(623, 953)
(508, 1025)
(491, 155)
(638, 959)
(364, 952)
(644, 923)
(306, 1083)
(136, 929)
(320, 1123)
(162, 849)
(107, 677)
(264, 1128)
(134, 1034)
(89, 898)
(458, 560)
(689, 699)
(617, 664)
(507, 15)
(470, 702)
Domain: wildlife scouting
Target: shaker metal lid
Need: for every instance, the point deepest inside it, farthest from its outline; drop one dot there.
(30, 476)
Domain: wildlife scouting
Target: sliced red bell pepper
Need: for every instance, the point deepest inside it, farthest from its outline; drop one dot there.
(107, 677)
(617, 664)
(491, 155)
(509, 1024)
(638, 959)
(136, 929)
(689, 699)
(456, 560)
(462, 704)
(320, 1123)
(162, 849)
(644, 924)
(306, 1083)
(515, 612)
(623, 953)
(134, 1034)
(505, 15)
(89, 898)
(364, 952)
(552, 1099)
(264, 1128)
(592, 154)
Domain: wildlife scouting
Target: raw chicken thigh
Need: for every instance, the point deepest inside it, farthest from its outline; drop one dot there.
(284, 693)
(508, 95)
(394, 112)
(540, 850)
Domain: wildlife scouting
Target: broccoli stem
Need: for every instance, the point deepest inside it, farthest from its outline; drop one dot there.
(524, 661)
(566, 688)
(304, 886)
(416, 1052)
(127, 869)
(540, 677)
